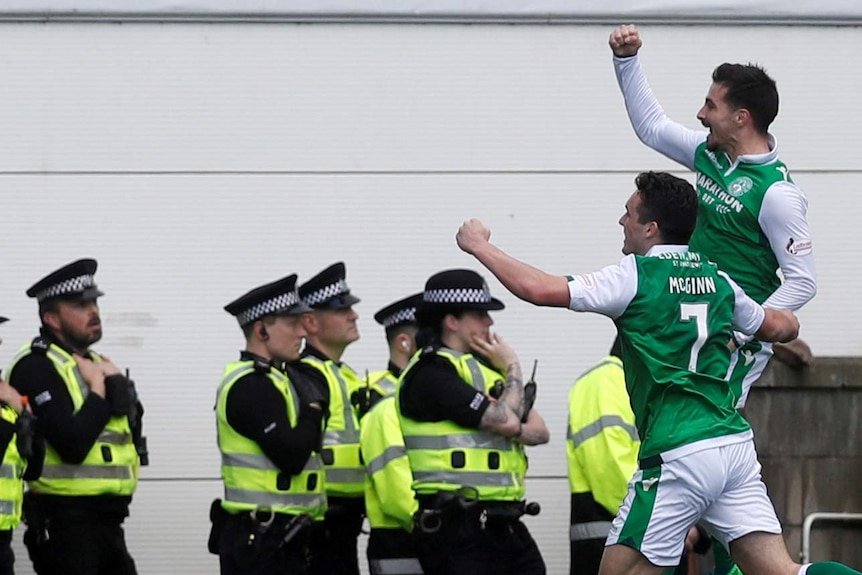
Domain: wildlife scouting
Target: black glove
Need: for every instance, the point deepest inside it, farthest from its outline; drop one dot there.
(309, 392)
(117, 395)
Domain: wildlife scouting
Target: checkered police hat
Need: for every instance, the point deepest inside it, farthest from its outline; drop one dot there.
(457, 290)
(328, 289)
(74, 280)
(276, 298)
(400, 312)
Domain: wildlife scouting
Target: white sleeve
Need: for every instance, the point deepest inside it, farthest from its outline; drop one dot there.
(748, 315)
(608, 291)
(782, 219)
(648, 119)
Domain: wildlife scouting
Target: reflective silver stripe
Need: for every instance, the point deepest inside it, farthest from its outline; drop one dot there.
(387, 385)
(480, 439)
(8, 471)
(7, 507)
(395, 567)
(262, 462)
(590, 530)
(392, 452)
(349, 423)
(64, 471)
(600, 424)
(341, 475)
(474, 478)
(476, 372)
(234, 375)
(308, 500)
(616, 362)
(114, 437)
(63, 359)
(340, 437)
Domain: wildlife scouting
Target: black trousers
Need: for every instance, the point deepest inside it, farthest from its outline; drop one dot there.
(82, 547)
(464, 545)
(7, 556)
(335, 552)
(586, 556)
(392, 552)
(246, 549)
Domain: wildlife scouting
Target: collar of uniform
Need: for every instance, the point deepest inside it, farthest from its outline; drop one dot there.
(765, 158)
(249, 356)
(46, 334)
(393, 369)
(312, 351)
(665, 248)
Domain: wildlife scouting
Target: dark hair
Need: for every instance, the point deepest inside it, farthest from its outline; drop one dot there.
(750, 87)
(430, 326)
(395, 330)
(669, 201)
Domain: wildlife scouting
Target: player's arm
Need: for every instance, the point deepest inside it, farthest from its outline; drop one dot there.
(783, 221)
(523, 280)
(648, 118)
(765, 324)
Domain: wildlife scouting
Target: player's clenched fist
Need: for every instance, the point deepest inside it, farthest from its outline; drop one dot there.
(625, 41)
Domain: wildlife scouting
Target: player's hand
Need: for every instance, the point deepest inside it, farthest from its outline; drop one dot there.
(625, 41)
(499, 353)
(471, 234)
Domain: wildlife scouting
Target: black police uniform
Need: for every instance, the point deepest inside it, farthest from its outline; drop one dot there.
(338, 554)
(474, 539)
(253, 543)
(85, 531)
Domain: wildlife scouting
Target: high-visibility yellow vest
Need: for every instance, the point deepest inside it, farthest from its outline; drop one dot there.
(250, 479)
(383, 382)
(601, 448)
(111, 465)
(390, 502)
(345, 475)
(11, 474)
(445, 456)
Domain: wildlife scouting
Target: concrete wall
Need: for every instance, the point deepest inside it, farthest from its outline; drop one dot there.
(809, 440)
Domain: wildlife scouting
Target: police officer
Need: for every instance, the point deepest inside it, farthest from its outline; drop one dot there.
(269, 433)
(330, 328)
(399, 321)
(465, 424)
(602, 452)
(88, 414)
(390, 501)
(22, 455)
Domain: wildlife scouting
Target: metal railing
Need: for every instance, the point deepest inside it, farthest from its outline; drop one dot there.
(805, 554)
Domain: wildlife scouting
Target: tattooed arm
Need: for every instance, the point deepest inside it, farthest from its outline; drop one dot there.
(504, 414)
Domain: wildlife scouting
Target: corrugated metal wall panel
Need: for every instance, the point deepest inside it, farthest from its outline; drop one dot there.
(274, 130)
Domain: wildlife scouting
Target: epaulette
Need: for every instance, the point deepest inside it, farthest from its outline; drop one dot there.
(262, 366)
(40, 345)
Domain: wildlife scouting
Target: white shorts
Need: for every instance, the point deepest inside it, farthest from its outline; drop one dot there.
(719, 487)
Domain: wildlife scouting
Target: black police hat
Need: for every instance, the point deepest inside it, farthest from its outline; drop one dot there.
(276, 298)
(74, 280)
(452, 290)
(3, 319)
(328, 289)
(400, 312)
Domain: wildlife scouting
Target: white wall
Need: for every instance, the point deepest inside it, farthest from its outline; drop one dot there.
(195, 161)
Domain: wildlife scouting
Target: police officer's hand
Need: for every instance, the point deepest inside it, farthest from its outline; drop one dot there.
(625, 41)
(472, 234)
(496, 350)
(107, 366)
(310, 394)
(92, 374)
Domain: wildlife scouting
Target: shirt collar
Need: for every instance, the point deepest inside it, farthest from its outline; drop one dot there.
(666, 248)
(768, 157)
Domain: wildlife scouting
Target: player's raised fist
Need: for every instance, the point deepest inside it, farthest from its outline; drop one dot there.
(625, 41)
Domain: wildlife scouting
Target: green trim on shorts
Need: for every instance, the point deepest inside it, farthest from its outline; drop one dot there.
(643, 503)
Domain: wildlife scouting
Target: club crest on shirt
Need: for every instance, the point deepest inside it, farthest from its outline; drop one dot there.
(739, 186)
